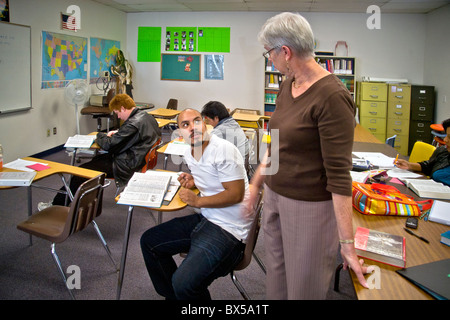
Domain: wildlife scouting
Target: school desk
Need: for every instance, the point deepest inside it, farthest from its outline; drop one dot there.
(174, 205)
(394, 286)
(164, 113)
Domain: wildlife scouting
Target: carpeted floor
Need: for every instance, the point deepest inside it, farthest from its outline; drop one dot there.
(29, 273)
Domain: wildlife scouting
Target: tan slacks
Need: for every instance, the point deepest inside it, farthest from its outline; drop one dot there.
(301, 244)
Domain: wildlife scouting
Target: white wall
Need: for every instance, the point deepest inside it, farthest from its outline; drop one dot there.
(394, 51)
(437, 60)
(25, 133)
(414, 47)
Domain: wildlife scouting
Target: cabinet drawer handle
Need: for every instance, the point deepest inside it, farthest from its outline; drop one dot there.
(398, 130)
(373, 112)
(422, 115)
(421, 131)
(373, 96)
(422, 108)
(398, 113)
(373, 129)
(399, 97)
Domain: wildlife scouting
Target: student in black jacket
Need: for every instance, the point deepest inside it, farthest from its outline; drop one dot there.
(126, 148)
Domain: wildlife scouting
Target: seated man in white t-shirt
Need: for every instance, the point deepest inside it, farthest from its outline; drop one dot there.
(215, 238)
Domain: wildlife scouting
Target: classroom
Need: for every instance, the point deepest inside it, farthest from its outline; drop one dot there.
(408, 42)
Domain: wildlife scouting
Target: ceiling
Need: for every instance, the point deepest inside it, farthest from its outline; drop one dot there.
(349, 6)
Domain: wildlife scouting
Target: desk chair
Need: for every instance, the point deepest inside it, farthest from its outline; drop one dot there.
(421, 151)
(391, 141)
(172, 104)
(57, 223)
(249, 248)
(437, 130)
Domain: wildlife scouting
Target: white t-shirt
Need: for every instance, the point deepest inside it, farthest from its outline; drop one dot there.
(221, 162)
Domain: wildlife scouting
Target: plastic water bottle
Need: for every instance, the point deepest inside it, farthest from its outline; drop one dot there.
(1, 157)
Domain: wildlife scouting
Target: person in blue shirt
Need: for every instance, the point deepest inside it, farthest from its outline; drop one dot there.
(438, 166)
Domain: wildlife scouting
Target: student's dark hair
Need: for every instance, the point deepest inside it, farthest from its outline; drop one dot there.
(446, 124)
(215, 109)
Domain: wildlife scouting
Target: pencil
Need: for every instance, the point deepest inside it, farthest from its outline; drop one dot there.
(396, 158)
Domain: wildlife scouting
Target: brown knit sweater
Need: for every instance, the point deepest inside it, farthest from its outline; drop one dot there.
(315, 141)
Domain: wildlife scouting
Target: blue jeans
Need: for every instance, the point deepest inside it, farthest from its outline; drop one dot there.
(212, 253)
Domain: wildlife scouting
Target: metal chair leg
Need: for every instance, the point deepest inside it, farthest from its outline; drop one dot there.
(58, 264)
(239, 286)
(105, 245)
(260, 263)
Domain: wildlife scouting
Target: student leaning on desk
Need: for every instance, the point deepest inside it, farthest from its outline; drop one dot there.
(438, 166)
(126, 147)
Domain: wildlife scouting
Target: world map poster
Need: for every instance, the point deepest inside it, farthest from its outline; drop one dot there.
(64, 58)
(103, 56)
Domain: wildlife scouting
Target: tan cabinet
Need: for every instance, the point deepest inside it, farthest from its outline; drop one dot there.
(398, 114)
(372, 102)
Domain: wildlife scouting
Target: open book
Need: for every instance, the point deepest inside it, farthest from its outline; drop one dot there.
(145, 189)
(428, 188)
(80, 141)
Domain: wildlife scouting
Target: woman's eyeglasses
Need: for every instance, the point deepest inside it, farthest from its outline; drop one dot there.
(267, 53)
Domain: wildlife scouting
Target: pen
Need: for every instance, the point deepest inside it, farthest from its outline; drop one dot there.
(396, 158)
(416, 235)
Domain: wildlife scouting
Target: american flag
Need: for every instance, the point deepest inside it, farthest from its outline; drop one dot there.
(68, 22)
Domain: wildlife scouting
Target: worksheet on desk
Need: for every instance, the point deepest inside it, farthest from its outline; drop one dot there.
(22, 165)
(376, 159)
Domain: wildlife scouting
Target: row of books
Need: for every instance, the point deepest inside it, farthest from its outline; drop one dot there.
(337, 66)
(273, 80)
(270, 96)
(349, 83)
(269, 109)
(270, 66)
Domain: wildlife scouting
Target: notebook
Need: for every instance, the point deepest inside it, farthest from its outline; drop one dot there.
(433, 278)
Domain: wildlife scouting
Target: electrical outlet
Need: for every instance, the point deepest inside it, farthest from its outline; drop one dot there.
(54, 130)
(48, 132)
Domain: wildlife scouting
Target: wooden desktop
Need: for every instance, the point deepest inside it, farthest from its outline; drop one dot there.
(394, 286)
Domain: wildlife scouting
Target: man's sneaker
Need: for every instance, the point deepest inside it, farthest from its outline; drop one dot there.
(44, 205)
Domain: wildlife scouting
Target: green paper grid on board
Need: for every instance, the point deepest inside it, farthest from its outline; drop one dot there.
(149, 44)
(213, 39)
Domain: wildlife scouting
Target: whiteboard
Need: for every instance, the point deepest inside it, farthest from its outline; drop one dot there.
(15, 67)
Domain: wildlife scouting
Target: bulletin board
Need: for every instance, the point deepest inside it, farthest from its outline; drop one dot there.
(182, 67)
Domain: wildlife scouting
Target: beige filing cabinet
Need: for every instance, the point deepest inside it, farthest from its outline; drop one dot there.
(398, 115)
(373, 108)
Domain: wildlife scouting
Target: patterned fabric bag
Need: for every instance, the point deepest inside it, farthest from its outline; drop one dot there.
(381, 199)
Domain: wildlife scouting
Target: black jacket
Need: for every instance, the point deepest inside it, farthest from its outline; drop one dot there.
(130, 144)
(438, 160)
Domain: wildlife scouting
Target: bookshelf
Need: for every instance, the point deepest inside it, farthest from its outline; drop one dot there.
(342, 67)
(272, 81)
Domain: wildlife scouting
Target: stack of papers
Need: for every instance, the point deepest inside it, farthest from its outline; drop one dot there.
(16, 179)
(25, 165)
(376, 159)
